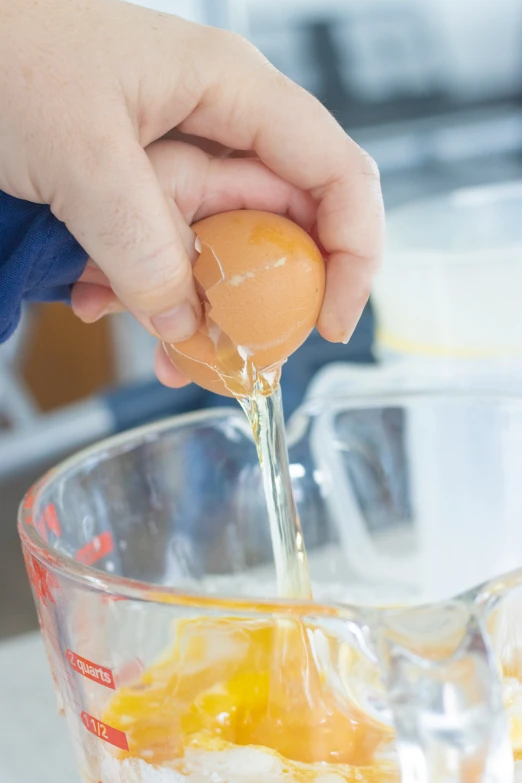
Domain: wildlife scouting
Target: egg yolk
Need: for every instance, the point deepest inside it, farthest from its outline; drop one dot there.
(242, 683)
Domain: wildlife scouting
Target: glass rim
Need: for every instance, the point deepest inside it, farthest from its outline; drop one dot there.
(132, 589)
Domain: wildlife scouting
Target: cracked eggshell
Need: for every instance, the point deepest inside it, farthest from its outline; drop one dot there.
(263, 279)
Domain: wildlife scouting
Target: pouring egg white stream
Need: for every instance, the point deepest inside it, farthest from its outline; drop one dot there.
(240, 699)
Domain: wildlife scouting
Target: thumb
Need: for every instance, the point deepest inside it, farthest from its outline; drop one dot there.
(118, 213)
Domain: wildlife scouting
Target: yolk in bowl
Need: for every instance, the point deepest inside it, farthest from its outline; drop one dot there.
(242, 683)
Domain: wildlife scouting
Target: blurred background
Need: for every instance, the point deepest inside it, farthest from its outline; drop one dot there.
(431, 88)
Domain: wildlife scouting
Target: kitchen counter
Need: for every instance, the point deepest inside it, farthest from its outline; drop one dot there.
(33, 738)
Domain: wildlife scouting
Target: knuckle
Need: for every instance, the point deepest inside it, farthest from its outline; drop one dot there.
(122, 227)
(238, 44)
(287, 86)
(240, 53)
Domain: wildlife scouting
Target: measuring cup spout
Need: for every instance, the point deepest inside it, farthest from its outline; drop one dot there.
(445, 696)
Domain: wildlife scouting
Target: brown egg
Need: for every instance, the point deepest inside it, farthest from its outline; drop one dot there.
(261, 278)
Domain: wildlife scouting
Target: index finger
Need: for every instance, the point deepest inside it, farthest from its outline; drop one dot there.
(249, 105)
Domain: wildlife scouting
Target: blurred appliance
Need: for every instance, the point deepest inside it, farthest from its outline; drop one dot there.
(431, 89)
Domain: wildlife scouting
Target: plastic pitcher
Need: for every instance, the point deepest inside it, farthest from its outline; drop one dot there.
(173, 658)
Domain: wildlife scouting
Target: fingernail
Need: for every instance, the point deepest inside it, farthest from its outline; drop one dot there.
(176, 325)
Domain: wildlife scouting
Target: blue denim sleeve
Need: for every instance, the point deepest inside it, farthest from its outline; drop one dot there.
(39, 259)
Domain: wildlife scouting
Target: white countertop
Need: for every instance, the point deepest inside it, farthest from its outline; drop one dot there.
(34, 745)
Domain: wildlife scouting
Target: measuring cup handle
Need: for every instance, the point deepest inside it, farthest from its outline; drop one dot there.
(446, 699)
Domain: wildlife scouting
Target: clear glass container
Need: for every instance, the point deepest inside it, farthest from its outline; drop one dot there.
(173, 658)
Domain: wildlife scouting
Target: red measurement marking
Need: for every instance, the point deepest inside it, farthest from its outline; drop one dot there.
(99, 547)
(112, 599)
(29, 500)
(39, 524)
(51, 519)
(42, 580)
(91, 670)
(106, 733)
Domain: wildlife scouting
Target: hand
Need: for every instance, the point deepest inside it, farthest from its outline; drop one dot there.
(87, 85)
(196, 185)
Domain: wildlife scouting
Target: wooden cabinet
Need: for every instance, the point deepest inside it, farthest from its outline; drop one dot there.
(64, 359)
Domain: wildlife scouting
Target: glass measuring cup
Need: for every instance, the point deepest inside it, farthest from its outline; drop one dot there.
(151, 566)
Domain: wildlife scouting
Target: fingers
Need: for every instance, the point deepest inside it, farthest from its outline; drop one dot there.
(166, 372)
(254, 107)
(117, 211)
(91, 301)
(195, 186)
(93, 274)
(350, 225)
(249, 184)
(213, 148)
(201, 185)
